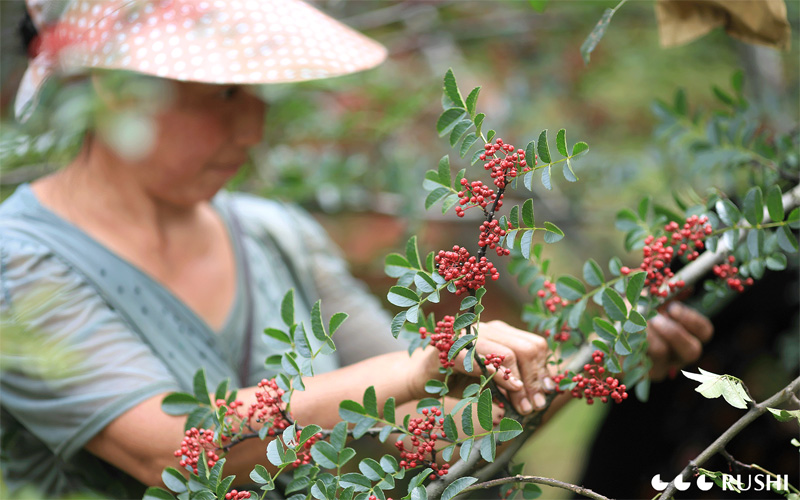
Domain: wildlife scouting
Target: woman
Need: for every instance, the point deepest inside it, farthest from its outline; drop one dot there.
(131, 270)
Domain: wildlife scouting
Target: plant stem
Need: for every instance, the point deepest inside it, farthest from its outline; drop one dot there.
(719, 444)
(580, 490)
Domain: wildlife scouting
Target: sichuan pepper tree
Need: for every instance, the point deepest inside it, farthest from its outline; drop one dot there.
(595, 328)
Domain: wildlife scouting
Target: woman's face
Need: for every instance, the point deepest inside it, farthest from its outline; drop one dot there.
(203, 134)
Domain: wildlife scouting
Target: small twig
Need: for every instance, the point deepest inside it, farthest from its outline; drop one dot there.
(580, 490)
(743, 466)
(719, 444)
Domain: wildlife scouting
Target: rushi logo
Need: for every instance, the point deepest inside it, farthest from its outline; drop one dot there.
(754, 482)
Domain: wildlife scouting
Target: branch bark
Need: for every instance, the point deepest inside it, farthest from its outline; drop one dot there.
(580, 490)
(719, 444)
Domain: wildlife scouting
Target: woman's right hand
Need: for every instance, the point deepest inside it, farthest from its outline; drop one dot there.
(523, 374)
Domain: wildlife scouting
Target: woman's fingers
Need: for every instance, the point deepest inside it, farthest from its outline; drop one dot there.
(685, 346)
(694, 322)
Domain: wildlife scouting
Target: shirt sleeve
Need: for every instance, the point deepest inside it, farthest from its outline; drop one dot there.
(70, 364)
(367, 330)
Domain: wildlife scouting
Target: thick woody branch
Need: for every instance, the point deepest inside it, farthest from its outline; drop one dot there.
(718, 445)
(580, 490)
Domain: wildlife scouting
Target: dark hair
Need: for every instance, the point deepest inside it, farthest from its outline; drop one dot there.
(27, 32)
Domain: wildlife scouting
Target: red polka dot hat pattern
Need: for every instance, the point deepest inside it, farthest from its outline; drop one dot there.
(210, 41)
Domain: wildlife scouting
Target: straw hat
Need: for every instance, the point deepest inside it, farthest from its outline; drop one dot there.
(211, 41)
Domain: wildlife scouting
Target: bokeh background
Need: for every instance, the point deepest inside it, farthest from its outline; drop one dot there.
(354, 150)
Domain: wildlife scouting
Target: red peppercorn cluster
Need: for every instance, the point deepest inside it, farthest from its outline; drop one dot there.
(195, 441)
(268, 408)
(554, 300)
(491, 232)
(237, 495)
(730, 273)
(694, 230)
(442, 339)
(658, 254)
(477, 195)
(561, 336)
(468, 271)
(593, 385)
(506, 167)
(304, 455)
(424, 431)
(496, 360)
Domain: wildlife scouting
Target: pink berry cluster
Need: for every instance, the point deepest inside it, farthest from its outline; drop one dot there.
(468, 271)
(477, 194)
(237, 495)
(304, 455)
(491, 232)
(268, 408)
(554, 300)
(730, 274)
(658, 254)
(424, 431)
(496, 360)
(442, 339)
(506, 167)
(593, 384)
(195, 441)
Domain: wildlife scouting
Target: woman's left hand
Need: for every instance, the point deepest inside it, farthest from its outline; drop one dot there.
(676, 338)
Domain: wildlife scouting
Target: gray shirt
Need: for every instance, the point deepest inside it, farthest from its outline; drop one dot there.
(87, 335)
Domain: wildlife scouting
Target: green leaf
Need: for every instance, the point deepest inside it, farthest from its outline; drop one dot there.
(776, 262)
(588, 45)
(466, 420)
(513, 216)
(317, 328)
(459, 130)
(755, 242)
(456, 486)
(713, 386)
(179, 403)
(388, 410)
(509, 429)
(723, 96)
(579, 148)
(754, 206)
(447, 120)
(346, 455)
(527, 213)
(488, 448)
(371, 401)
(287, 308)
(260, 475)
(412, 253)
(469, 141)
(434, 386)
(569, 174)
(278, 335)
(463, 321)
(530, 153)
(478, 123)
(458, 345)
(635, 322)
(468, 302)
(592, 273)
(786, 240)
(794, 218)
(681, 107)
(396, 265)
(450, 88)
(434, 196)
(301, 342)
(336, 321)
(553, 233)
(561, 142)
(531, 491)
(201, 388)
(485, 410)
(371, 469)
(570, 288)
(614, 305)
(543, 148)
(449, 201)
(402, 296)
(728, 212)
(351, 411)
(466, 448)
(472, 100)
(156, 493)
(775, 204)
(635, 285)
(174, 480)
(397, 323)
(621, 346)
(361, 482)
(450, 429)
(780, 414)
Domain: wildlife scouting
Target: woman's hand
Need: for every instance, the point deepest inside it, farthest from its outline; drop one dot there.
(676, 338)
(524, 355)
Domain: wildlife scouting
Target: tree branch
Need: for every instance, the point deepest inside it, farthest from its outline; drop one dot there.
(719, 444)
(580, 490)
